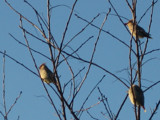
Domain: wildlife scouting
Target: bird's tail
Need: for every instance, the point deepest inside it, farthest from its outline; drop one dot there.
(144, 108)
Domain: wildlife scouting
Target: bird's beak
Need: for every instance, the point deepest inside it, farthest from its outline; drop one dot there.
(125, 23)
(127, 91)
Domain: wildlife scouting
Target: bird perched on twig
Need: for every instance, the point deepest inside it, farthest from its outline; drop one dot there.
(140, 31)
(46, 74)
(136, 96)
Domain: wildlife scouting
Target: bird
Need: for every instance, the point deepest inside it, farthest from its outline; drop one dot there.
(140, 31)
(46, 75)
(136, 96)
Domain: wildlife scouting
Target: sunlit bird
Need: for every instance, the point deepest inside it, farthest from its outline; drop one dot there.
(140, 31)
(136, 96)
(46, 74)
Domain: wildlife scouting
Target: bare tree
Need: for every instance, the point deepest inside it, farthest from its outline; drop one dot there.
(6, 112)
(63, 55)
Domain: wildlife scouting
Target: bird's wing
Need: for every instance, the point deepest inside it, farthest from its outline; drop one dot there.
(138, 90)
(140, 29)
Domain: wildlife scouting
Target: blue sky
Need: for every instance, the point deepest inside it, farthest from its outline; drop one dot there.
(110, 54)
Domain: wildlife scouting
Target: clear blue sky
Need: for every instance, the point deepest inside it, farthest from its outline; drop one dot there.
(110, 54)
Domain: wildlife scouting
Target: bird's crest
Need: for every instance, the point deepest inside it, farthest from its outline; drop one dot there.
(43, 64)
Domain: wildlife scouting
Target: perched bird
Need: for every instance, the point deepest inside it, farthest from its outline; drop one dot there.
(140, 31)
(136, 96)
(46, 74)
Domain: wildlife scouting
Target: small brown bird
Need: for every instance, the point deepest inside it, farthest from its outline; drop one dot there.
(140, 31)
(138, 96)
(46, 74)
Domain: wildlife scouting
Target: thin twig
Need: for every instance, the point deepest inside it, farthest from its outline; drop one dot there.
(80, 31)
(155, 50)
(129, 5)
(4, 97)
(90, 94)
(98, 66)
(38, 16)
(147, 11)
(65, 31)
(30, 48)
(92, 116)
(24, 34)
(25, 18)
(121, 107)
(75, 51)
(14, 103)
(18, 62)
(62, 5)
(154, 112)
(86, 109)
(146, 44)
(151, 86)
(94, 49)
(121, 41)
(2, 114)
(74, 77)
(107, 108)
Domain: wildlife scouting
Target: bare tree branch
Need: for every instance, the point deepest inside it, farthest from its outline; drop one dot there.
(14, 103)
(154, 112)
